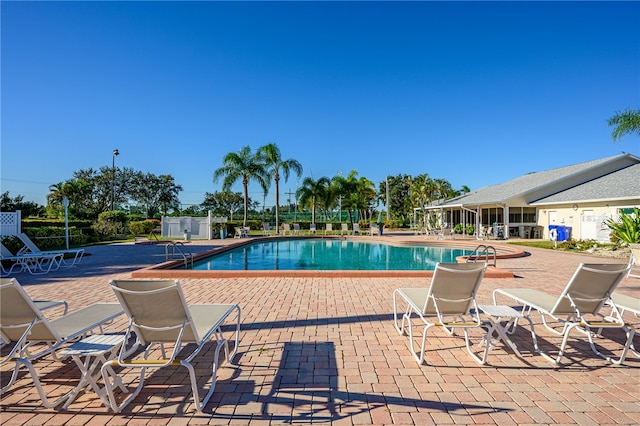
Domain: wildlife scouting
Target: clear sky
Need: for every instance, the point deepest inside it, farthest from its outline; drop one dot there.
(477, 93)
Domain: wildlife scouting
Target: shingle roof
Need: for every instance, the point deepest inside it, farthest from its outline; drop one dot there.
(622, 184)
(519, 187)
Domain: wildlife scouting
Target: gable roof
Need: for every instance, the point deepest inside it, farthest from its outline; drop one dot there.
(620, 185)
(539, 185)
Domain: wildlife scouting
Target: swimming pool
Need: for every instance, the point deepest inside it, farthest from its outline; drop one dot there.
(423, 254)
(330, 254)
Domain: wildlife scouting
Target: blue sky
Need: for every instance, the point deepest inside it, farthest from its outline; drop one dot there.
(473, 92)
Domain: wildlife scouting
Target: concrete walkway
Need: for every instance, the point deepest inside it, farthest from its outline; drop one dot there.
(324, 351)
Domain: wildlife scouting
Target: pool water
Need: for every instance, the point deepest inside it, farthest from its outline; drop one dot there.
(330, 254)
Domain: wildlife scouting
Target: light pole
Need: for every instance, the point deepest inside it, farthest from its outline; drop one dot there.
(113, 178)
(340, 200)
(65, 203)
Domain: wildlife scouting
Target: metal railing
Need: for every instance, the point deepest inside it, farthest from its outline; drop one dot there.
(483, 252)
(182, 251)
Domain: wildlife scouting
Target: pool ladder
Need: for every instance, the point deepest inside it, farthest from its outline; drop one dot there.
(483, 252)
(178, 246)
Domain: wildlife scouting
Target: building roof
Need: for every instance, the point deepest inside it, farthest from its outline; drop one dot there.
(536, 186)
(620, 185)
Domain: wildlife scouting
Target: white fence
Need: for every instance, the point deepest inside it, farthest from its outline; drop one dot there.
(10, 223)
(198, 228)
(172, 227)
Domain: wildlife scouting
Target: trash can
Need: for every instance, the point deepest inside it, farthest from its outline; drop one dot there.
(563, 232)
(553, 230)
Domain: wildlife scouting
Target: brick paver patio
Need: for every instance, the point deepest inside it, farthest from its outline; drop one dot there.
(324, 350)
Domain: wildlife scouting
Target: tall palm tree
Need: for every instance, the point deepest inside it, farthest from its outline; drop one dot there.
(310, 193)
(273, 162)
(626, 122)
(242, 165)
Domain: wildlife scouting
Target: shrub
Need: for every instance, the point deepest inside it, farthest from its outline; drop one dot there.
(471, 229)
(627, 229)
(458, 228)
(142, 227)
(110, 223)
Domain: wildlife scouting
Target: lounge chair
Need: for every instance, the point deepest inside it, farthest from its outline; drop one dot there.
(159, 315)
(34, 337)
(356, 229)
(31, 248)
(578, 306)
(446, 303)
(374, 229)
(312, 229)
(286, 228)
(266, 229)
(328, 229)
(35, 264)
(296, 229)
(625, 304)
(344, 229)
(634, 262)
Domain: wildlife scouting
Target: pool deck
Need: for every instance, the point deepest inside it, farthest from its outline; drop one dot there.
(323, 350)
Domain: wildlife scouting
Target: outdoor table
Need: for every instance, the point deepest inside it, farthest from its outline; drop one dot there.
(94, 349)
(499, 314)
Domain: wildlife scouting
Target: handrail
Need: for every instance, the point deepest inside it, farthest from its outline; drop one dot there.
(482, 251)
(187, 256)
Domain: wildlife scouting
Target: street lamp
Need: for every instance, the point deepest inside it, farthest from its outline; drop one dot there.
(113, 178)
(340, 199)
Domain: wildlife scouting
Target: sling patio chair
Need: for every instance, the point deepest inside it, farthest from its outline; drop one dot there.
(35, 264)
(33, 336)
(159, 315)
(625, 304)
(578, 307)
(31, 248)
(446, 303)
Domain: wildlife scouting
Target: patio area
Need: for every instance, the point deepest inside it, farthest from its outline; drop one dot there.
(325, 351)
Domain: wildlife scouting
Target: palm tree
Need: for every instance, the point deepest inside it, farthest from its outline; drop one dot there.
(311, 192)
(242, 165)
(626, 122)
(273, 162)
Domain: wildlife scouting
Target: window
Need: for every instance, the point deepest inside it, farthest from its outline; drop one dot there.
(529, 215)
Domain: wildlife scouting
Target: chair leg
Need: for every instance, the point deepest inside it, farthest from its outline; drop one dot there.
(629, 331)
(38, 385)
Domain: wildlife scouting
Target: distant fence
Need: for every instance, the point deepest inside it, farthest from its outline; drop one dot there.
(198, 228)
(10, 223)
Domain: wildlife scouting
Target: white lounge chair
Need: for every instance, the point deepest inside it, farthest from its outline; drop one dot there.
(266, 229)
(159, 315)
(578, 306)
(328, 229)
(344, 229)
(35, 264)
(374, 229)
(634, 262)
(312, 229)
(446, 303)
(296, 229)
(34, 337)
(356, 229)
(31, 248)
(629, 304)
(286, 229)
